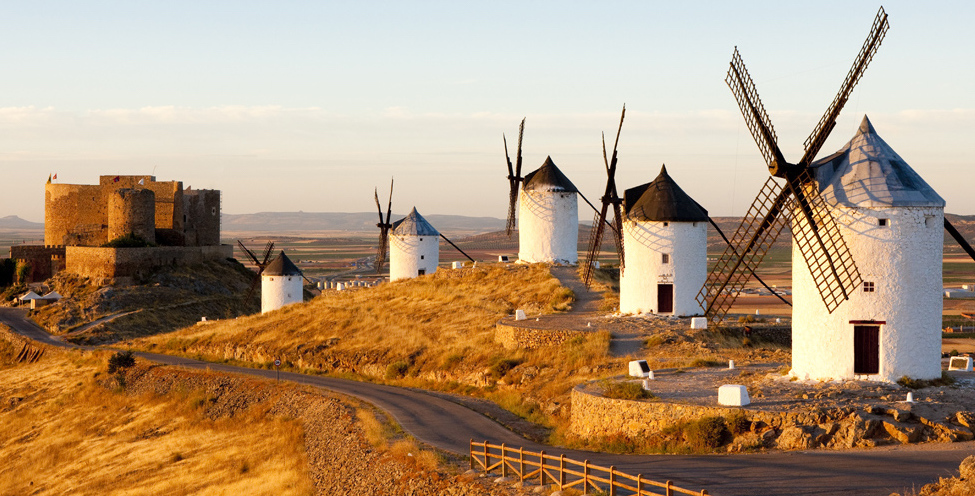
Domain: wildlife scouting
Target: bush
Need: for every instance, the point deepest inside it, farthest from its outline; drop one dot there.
(502, 366)
(130, 240)
(746, 319)
(396, 370)
(119, 361)
(738, 423)
(652, 341)
(626, 391)
(911, 383)
(704, 362)
(705, 433)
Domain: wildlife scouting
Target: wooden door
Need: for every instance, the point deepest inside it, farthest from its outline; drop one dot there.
(665, 298)
(866, 349)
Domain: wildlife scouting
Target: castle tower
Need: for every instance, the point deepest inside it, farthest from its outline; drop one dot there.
(280, 284)
(665, 244)
(893, 223)
(132, 210)
(414, 247)
(548, 217)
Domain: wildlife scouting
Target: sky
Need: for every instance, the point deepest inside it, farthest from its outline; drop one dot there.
(308, 106)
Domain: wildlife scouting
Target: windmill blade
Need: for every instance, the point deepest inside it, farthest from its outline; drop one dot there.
(378, 206)
(383, 248)
(959, 238)
(757, 232)
(254, 283)
(249, 253)
(389, 206)
(595, 239)
(756, 276)
(457, 248)
(756, 118)
(818, 137)
(267, 255)
(617, 228)
(514, 178)
(821, 243)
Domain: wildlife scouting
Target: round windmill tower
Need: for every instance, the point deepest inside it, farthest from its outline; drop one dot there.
(414, 248)
(893, 222)
(280, 284)
(548, 229)
(665, 241)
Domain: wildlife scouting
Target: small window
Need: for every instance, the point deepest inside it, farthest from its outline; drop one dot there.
(421, 272)
(868, 287)
(270, 279)
(882, 222)
(929, 221)
(665, 258)
(421, 257)
(666, 224)
(421, 239)
(213, 211)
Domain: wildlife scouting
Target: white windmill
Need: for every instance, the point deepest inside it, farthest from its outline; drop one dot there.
(548, 229)
(281, 284)
(665, 242)
(414, 249)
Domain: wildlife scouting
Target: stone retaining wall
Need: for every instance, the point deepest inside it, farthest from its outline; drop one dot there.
(114, 263)
(594, 415)
(514, 337)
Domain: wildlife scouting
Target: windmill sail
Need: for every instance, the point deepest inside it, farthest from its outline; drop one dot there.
(384, 227)
(514, 178)
(610, 198)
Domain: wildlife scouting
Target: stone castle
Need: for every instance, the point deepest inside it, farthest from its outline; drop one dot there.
(182, 224)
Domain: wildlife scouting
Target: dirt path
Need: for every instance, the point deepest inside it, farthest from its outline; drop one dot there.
(104, 320)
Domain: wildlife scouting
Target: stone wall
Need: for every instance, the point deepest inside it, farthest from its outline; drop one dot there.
(201, 216)
(45, 261)
(513, 337)
(594, 415)
(114, 263)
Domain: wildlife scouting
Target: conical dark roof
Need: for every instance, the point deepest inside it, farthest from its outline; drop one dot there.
(548, 177)
(414, 225)
(281, 266)
(662, 200)
(867, 172)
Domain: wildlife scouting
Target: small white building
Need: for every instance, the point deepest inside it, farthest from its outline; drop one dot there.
(548, 217)
(280, 284)
(665, 246)
(414, 247)
(893, 223)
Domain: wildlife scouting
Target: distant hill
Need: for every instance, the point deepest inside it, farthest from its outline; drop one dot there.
(14, 222)
(349, 221)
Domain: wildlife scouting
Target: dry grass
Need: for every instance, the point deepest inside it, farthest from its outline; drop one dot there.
(63, 433)
(435, 331)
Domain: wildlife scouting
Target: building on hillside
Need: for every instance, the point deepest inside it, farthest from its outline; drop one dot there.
(893, 223)
(665, 245)
(414, 248)
(79, 219)
(548, 217)
(281, 284)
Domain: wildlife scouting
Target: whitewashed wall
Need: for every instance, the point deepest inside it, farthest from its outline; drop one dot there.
(408, 254)
(278, 291)
(644, 243)
(904, 261)
(548, 227)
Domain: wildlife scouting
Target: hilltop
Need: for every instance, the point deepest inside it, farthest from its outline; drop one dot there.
(348, 221)
(14, 222)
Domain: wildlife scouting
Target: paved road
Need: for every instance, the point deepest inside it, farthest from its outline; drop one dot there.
(450, 426)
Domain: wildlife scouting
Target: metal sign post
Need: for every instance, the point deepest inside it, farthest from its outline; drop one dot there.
(277, 365)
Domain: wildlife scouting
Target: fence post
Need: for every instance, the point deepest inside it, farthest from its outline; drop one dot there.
(670, 492)
(561, 471)
(504, 464)
(612, 480)
(639, 484)
(521, 464)
(704, 492)
(487, 458)
(541, 469)
(585, 477)
(472, 453)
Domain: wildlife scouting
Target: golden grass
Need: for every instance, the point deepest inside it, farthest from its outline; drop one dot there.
(435, 332)
(63, 433)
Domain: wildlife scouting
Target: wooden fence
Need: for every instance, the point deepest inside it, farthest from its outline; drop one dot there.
(565, 472)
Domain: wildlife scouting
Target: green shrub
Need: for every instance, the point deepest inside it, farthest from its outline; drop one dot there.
(396, 370)
(738, 423)
(626, 391)
(704, 362)
(746, 319)
(502, 366)
(911, 383)
(120, 360)
(130, 240)
(652, 341)
(705, 433)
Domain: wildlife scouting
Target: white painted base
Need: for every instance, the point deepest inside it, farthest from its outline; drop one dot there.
(733, 395)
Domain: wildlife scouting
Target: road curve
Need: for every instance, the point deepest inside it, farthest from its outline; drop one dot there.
(450, 426)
